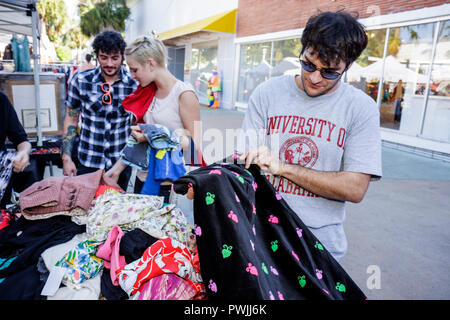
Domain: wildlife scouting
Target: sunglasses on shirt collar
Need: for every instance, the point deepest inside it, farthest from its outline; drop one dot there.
(106, 97)
(328, 74)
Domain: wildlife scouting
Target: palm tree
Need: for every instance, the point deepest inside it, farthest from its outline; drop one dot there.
(96, 16)
(75, 39)
(53, 14)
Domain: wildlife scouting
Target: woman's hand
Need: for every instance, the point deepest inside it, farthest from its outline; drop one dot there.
(21, 161)
(116, 170)
(113, 174)
(136, 132)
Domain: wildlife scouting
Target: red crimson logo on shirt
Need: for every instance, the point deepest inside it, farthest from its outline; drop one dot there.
(299, 150)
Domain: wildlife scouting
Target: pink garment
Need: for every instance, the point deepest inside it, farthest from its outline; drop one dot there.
(169, 286)
(63, 193)
(109, 252)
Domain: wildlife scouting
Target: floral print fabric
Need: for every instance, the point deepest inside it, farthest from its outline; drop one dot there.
(131, 211)
(81, 263)
(164, 256)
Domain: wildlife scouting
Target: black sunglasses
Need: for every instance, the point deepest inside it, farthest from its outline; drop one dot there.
(106, 88)
(325, 73)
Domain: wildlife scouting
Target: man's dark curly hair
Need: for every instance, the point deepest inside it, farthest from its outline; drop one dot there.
(109, 41)
(334, 36)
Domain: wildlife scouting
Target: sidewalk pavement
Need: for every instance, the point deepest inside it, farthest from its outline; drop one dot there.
(401, 229)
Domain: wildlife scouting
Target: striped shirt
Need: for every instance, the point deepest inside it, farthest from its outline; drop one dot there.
(104, 128)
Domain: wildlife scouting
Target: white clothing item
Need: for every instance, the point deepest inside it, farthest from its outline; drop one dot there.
(338, 131)
(166, 112)
(87, 290)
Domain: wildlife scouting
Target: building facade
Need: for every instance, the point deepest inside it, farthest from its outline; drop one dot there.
(199, 35)
(405, 67)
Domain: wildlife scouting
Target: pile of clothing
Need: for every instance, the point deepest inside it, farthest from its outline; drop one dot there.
(88, 239)
(84, 238)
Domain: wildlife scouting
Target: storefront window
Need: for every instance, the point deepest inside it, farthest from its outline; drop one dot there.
(260, 61)
(410, 49)
(203, 60)
(285, 57)
(404, 71)
(369, 61)
(437, 117)
(254, 68)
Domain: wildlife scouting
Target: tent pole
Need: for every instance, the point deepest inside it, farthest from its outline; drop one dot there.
(36, 56)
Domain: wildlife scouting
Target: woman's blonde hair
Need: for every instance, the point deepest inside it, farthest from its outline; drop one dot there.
(146, 47)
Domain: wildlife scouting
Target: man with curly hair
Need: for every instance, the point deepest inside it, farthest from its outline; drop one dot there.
(318, 137)
(94, 102)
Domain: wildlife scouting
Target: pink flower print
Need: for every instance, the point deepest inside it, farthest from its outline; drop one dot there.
(326, 291)
(274, 271)
(319, 274)
(235, 156)
(252, 269)
(212, 286)
(277, 195)
(254, 208)
(299, 232)
(273, 219)
(280, 295)
(215, 172)
(237, 198)
(198, 230)
(254, 185)
(238, 176)
(271, 297)
(233, 216)
(295, 256)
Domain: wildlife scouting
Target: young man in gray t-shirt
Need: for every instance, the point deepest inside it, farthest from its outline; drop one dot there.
(317, 138)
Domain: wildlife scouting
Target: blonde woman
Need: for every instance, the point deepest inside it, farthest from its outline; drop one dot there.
(175, 104)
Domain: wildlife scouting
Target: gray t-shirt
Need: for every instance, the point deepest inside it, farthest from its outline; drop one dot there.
(338, 131)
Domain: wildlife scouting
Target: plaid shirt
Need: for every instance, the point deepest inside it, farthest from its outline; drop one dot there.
(104, 128)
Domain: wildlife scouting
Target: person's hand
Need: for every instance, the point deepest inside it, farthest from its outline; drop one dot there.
(184, 142)
(136, 132)
(113, 174)
(69, 168)
(21, 161)
(190, 193)
(263, 157)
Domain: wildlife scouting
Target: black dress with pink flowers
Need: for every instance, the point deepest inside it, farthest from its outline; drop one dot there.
(252, 245)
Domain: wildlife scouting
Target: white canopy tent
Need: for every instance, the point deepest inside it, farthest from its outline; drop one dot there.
(261, 69)
(353, 74)
(289, 65)
(21, 17)
(393, 71)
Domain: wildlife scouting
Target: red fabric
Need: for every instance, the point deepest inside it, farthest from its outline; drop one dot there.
(5, 219)
(161, 257)
(104, 188)
(203, 162)
(137, 102)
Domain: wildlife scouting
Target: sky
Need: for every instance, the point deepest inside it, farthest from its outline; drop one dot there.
(71, 7)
